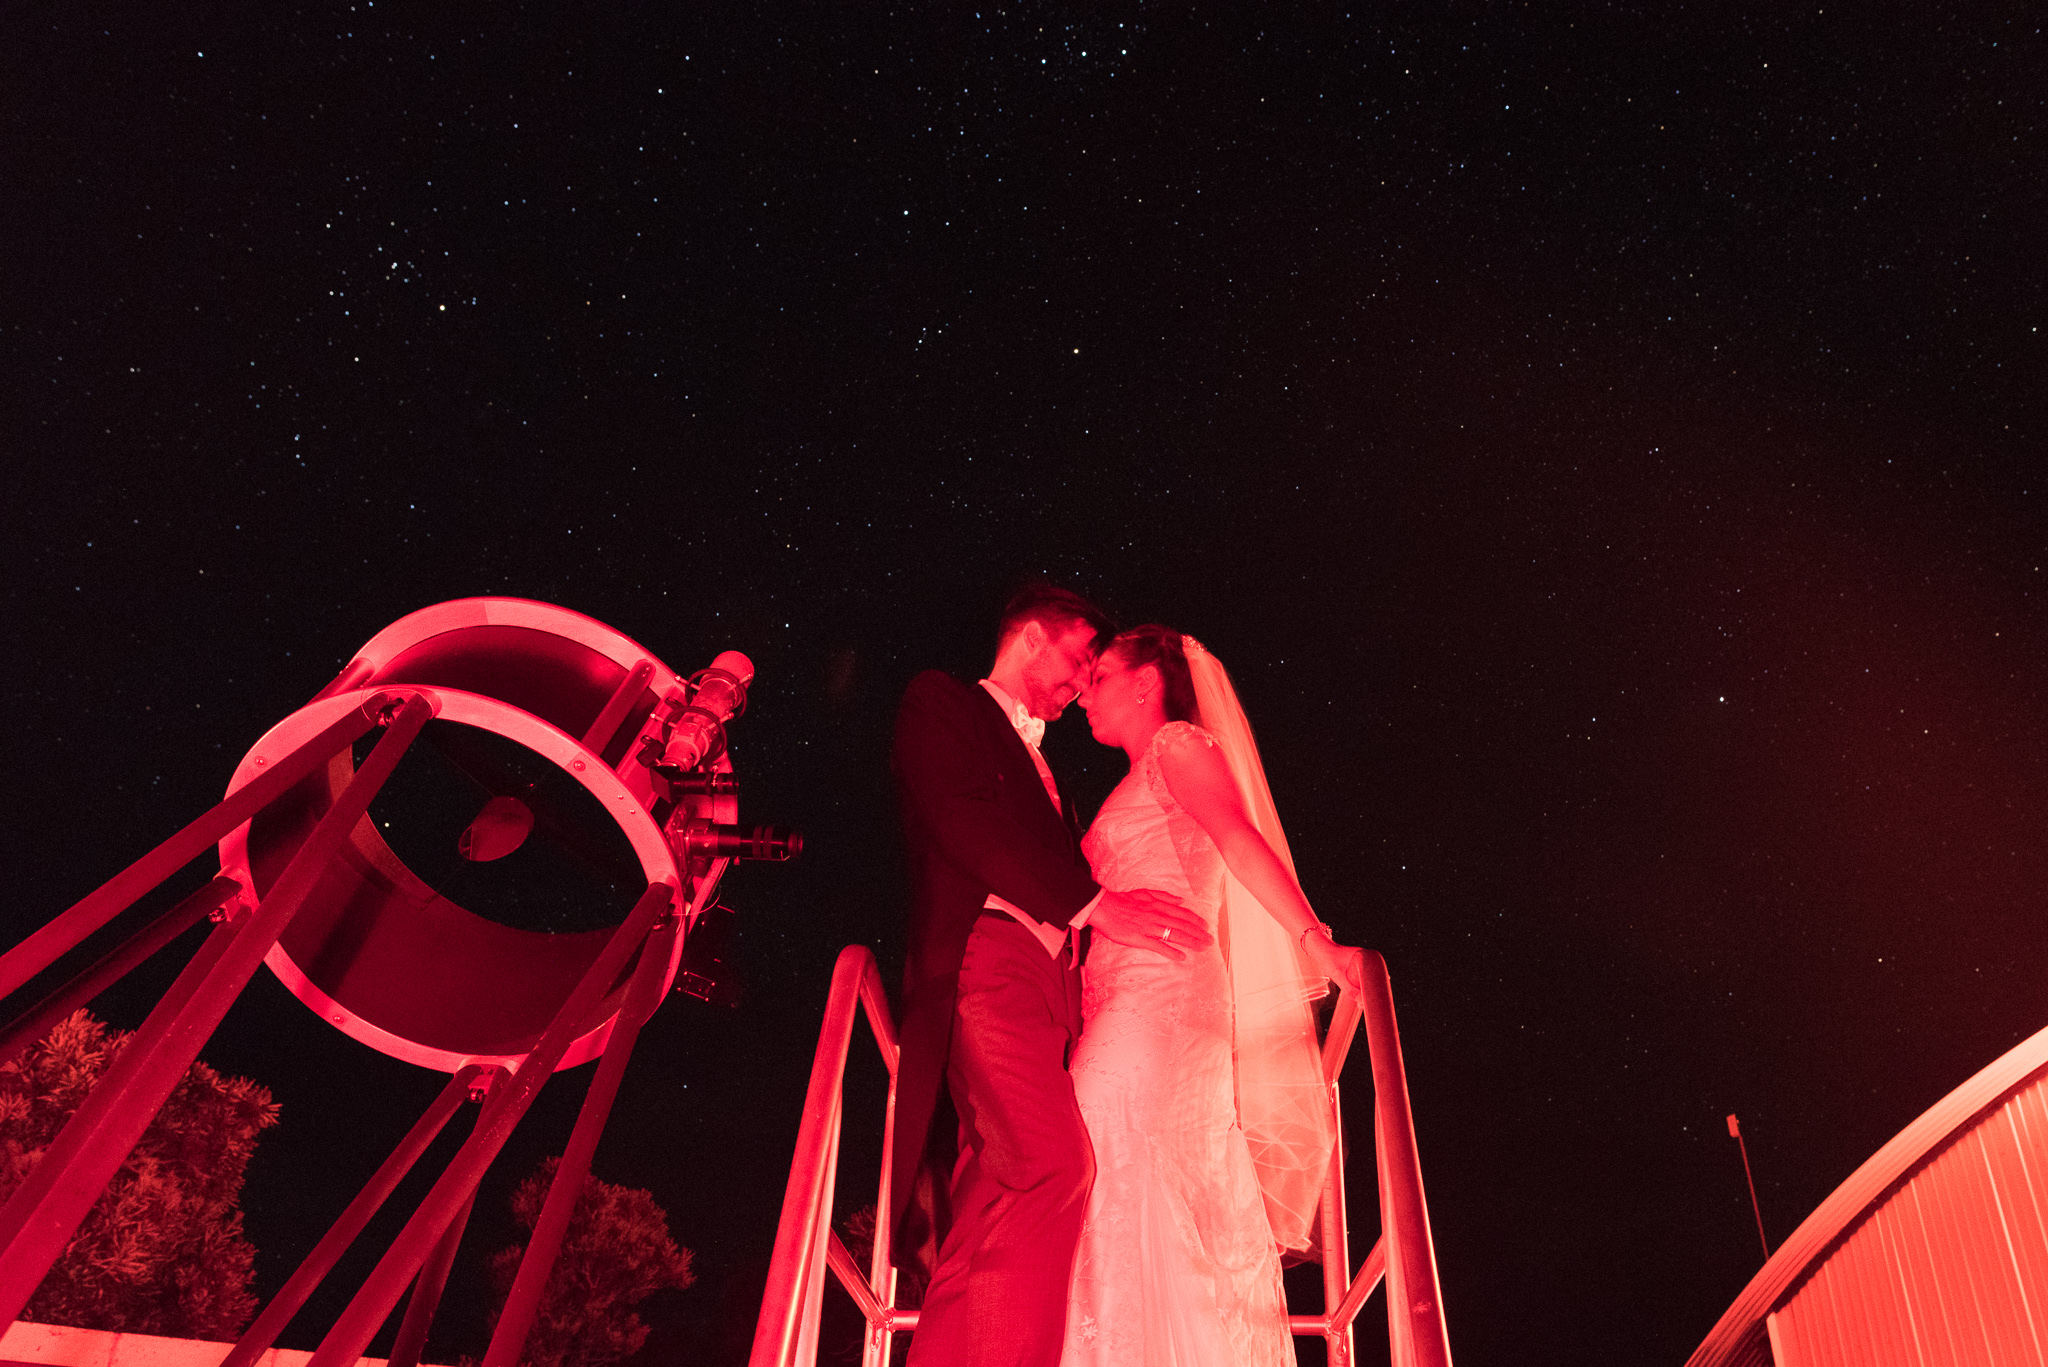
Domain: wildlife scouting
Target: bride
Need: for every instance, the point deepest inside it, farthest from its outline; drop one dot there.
(1197, 1073)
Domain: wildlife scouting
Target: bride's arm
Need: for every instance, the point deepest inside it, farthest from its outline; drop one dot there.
(1200, 781)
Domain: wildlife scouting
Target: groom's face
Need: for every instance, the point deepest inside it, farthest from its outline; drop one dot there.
(1058, 671)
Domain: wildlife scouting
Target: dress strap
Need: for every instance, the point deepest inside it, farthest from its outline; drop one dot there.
(1176, 734)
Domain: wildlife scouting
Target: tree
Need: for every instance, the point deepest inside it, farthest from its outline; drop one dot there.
(617, 1252)
(161, 1251)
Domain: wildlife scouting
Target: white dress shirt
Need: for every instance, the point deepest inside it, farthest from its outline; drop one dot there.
(1029, 728)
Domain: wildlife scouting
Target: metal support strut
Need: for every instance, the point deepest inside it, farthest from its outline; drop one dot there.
(366, 1313)
(48, 1207)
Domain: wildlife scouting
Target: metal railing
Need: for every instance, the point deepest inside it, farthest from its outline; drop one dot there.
(806, 1245)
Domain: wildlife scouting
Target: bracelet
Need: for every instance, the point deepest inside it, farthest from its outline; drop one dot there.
(1301, 940)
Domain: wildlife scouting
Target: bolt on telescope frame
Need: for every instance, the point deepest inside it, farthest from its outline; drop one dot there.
(786, 1334)
(309, 886)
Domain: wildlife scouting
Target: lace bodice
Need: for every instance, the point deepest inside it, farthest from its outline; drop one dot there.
(1142, 838)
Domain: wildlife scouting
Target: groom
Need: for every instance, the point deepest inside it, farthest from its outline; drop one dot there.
(992, 1001)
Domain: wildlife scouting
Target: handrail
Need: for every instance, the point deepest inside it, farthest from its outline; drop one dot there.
(1415, 1316)
(787, 1333)
(805, 1245)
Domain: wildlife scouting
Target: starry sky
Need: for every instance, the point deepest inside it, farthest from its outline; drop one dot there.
(1604, 441)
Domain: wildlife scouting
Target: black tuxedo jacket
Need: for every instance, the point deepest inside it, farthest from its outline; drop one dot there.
(976, 821)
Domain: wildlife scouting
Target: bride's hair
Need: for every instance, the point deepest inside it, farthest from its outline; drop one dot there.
(1153, 644)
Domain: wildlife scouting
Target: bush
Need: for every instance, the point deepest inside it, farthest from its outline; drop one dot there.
(161, 1251)
(617, 1252)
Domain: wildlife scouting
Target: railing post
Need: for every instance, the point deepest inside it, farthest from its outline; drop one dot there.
(1415, 1320)
(819, 1262)
(881, 1268)
(1334, 1216)
(786, 1334)
(1339, 1344)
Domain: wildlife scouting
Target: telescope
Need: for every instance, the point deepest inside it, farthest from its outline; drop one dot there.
(504, 883)
(565, 768)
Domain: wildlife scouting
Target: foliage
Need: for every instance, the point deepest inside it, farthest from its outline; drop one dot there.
(842, 1332)
(857, 1232)
(617, 1252)
(162, 1250)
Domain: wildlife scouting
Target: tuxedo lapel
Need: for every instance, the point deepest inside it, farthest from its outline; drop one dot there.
(1067, 812)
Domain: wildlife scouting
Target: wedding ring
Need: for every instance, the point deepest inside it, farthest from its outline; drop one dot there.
(1166, 934)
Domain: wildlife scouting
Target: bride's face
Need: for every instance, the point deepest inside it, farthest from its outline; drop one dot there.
(1111, 699)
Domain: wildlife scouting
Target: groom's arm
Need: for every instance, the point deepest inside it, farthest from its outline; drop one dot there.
(948, 779)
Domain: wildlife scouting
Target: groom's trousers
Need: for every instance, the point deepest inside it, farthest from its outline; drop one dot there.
(1020, 1186)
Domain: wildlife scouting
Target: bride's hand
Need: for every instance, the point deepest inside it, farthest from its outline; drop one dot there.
(1343, 965)
(1151, 920)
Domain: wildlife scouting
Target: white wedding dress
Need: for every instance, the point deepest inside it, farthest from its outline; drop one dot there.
(1176, 1266)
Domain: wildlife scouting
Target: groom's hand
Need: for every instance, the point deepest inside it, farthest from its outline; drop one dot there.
(1142, 917)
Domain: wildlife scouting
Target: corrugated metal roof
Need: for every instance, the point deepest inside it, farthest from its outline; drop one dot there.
(1933, 1252)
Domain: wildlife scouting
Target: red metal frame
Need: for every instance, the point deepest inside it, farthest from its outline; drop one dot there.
(805, 1245)
(522, 1303)
(426, 1292)
(48, 1207)
(129, 886)
(619, 790)
(37, 1021)
(262, 1333)
(374, 1301)
(585, 999)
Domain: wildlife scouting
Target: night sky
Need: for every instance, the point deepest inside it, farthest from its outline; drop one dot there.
(1604, 442)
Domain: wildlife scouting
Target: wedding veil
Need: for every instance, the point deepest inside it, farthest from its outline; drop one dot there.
(1283, 1103)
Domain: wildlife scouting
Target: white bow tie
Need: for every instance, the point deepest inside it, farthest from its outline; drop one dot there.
(1031, 728)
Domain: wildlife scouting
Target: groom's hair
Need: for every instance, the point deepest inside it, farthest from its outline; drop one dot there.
(1056, 609)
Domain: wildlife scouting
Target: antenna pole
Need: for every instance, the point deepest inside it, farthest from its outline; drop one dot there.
(1736, 1130)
